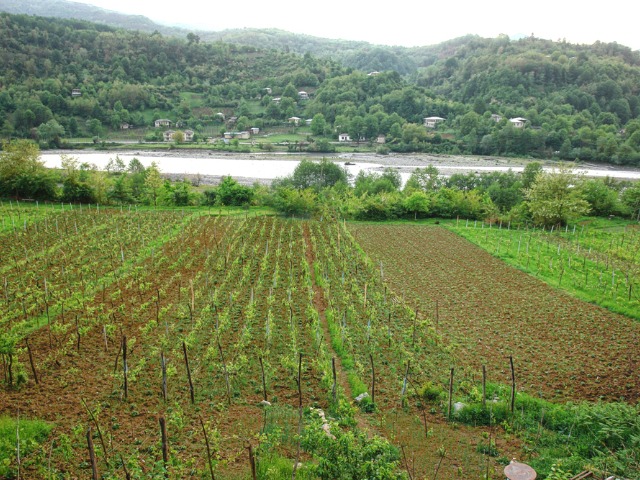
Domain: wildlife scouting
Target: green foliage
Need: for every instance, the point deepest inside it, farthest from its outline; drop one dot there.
(22, 173)
(555, 198)
(315, 175)
(32, 434)
(351, 455)
(229, 193)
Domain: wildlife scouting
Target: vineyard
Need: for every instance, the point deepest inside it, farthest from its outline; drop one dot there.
(192, 344)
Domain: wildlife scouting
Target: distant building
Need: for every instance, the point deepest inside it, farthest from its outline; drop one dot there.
(76, 92)
(518, 122)
(267, 90)
(294, 120)
(254, 130)
(168, 135)
(125, 126)
(308, 122)
(496, 118)
(302, 95)
(381, 139)
(241, 135)
(276, 99)
(373, 74)
(188, 135)
(344, 137)
(163, 122)
(431, 122)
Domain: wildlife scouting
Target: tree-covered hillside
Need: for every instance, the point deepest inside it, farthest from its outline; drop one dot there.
(529, 97)
(123, 76)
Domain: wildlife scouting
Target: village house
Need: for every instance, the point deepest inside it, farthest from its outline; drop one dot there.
(381, 139)
(344, 137)
(76, 92)
(188, 135)
(308, 122)
(163, 122)
(496, 118)
(168, 135)
(294, 120)
(254, 130)
(431, 122)
(267, 90)
(125, 126)
(518, 122)
(244, 135)
(302, 95)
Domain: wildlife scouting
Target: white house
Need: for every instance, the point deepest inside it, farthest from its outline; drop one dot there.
(294, 120)
(254, 130)
(518, 122)
(344, 137)
(76, 92)
(431, 122)
(267, 90)
(302, 95)
(163, 122)
(243, 135)
(381, 139)
(188, 135)
(168, 135)
(496, 118)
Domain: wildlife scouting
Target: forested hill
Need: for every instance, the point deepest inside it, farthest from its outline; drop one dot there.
(83, 11)
(68, 78)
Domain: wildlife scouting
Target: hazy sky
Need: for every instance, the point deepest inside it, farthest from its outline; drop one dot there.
(401, 22)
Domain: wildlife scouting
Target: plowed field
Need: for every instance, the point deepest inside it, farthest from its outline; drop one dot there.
(562, 347)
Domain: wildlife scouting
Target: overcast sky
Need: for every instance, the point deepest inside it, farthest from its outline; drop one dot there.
(401, 22)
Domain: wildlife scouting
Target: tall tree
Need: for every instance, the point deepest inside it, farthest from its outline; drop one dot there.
(555, 197)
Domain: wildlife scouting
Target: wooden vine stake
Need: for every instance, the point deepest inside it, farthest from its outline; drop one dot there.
(450, 394)
(335, 386)
(163, 364)
(186, 363)
(484, 386)
(264, 383)
(165, 446)
(226, 373)
(206, 441)
(373, 380)
(33, 366)
(92, 456)
(252, 463)
(513, 385)
(295, 466)
(124, 366)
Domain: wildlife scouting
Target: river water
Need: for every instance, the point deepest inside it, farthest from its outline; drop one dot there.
(249, 167)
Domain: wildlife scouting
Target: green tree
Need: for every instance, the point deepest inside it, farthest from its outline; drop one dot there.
(418, 203)
(426, 179)
(317, 175)
(50, 132)
(22, 173)
(152, 184)
(318, 124)
(555, 198)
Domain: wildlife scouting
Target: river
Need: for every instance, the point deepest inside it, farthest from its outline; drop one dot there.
(247, 168)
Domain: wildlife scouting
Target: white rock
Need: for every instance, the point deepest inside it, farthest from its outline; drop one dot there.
(265, 403)
(458, 406)
(361, 397)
